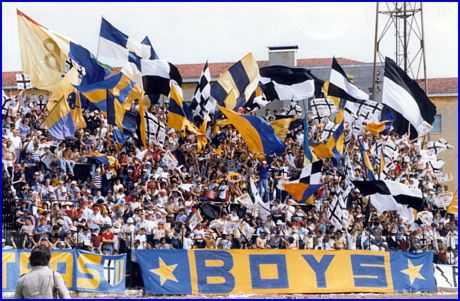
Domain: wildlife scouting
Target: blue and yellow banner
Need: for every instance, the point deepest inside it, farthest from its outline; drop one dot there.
(81, 271)
(284, 271)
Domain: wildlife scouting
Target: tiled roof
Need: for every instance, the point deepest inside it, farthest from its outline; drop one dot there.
(194, 70)
(9, 78)
(443, 85)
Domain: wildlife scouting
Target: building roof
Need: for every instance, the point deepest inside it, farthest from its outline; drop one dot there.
(216, 69)
(443, 85)
(192, 71)
(9, 78)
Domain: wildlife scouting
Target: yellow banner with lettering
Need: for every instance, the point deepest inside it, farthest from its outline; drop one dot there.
(81, 271)
(283, 271)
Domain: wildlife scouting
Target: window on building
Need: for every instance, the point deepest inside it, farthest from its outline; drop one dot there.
(437, 124)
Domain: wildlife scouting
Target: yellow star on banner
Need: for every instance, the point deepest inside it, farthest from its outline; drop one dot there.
(166, 272)
(413, 271)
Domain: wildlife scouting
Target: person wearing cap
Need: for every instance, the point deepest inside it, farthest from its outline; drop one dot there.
(84, 235)
(42, 229)
(80, 221)
(140, 235)
(72, 236)
(95, 218)
(108, 239)
(128, 229)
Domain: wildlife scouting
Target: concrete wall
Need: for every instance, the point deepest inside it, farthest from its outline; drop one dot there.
(447, 107)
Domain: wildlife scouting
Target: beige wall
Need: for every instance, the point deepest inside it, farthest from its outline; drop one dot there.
(447, 107)
(188, 89)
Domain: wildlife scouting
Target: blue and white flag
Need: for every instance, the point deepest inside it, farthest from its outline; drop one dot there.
(139, 61)
(116, 48)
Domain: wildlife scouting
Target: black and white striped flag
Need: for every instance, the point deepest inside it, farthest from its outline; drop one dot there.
(322, 107)
(159, 75)
(436, 147)
(412, 106)
(6, 104)
(287, 83)
(156, 130)
(341, 86)
(388, 196)
(202, 104)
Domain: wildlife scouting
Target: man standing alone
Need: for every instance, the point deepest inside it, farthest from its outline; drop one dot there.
(41, 282)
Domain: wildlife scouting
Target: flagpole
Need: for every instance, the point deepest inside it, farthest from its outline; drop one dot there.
(99, 40)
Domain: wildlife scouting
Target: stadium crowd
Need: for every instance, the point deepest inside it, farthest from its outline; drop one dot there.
(141, 203)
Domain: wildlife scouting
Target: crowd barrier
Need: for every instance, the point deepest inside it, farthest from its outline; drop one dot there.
(200, 272)
(81, 271)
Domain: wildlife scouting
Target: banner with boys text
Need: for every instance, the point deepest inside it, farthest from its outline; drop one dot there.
(284, 271)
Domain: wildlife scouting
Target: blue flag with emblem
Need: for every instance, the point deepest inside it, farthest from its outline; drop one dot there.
(165, 272)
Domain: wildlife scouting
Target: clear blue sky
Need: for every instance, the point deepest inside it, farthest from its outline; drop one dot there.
(195, 32)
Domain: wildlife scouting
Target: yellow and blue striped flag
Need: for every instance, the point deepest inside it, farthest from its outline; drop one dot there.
(258, 134)
(177, 119)
(241, 80)
(333, 148)
(367, 162)
(59, 121)
(65, 90)
(115, 97)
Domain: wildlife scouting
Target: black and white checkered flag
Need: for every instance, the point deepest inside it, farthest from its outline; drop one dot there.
(337, 213)
(156, 130)
(437, 165)
(388, 147)
(23, 82)
(358, 114)
(329, 128)
(69, 64)
(6, 104)
(436, 147)
(322, 107)
(202, 104)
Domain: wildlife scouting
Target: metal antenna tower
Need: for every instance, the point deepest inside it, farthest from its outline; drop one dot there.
(401, 22)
